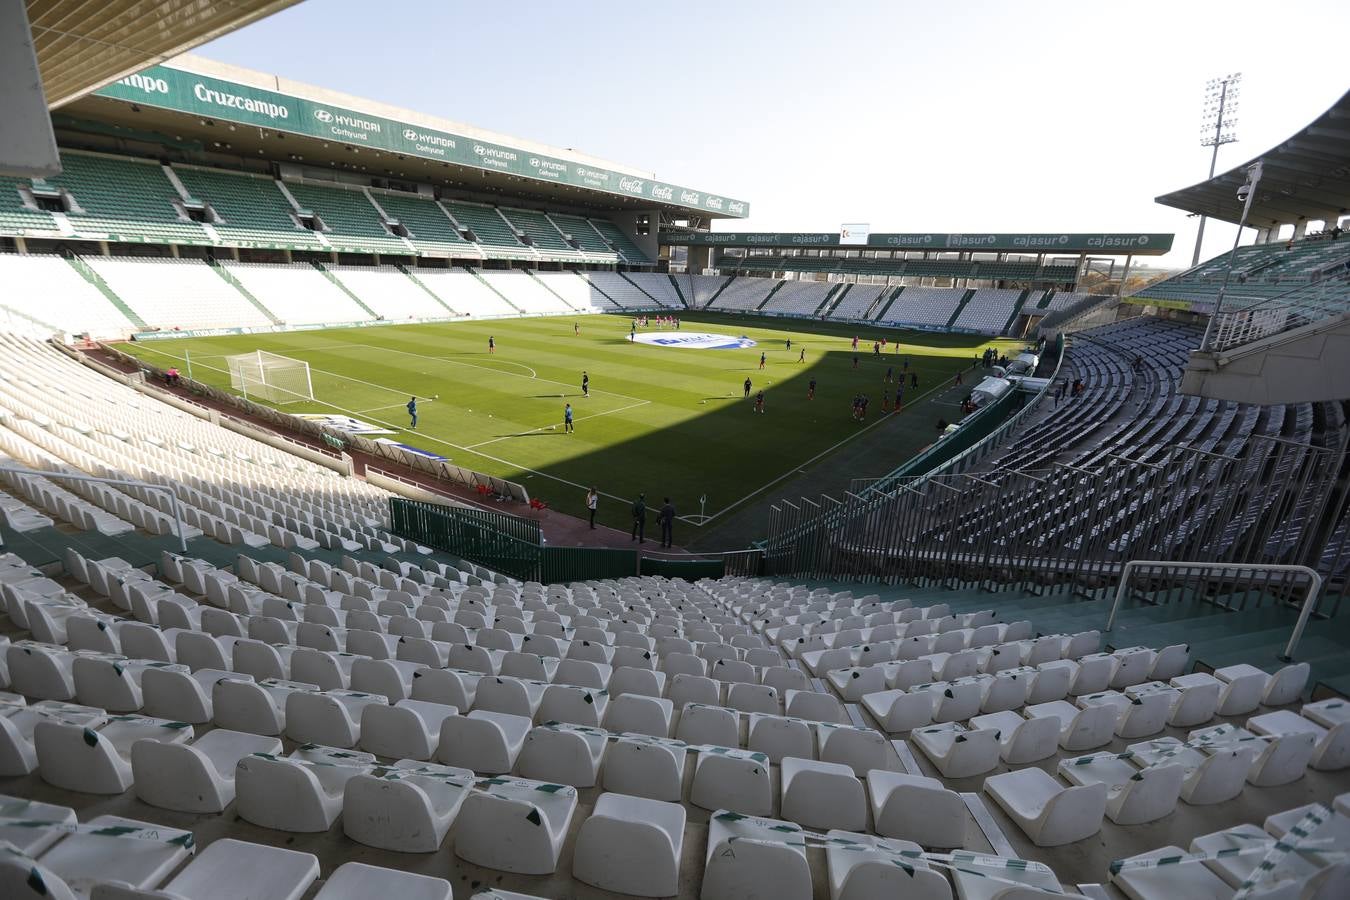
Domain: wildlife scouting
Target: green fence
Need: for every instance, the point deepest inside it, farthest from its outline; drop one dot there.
(514, 546)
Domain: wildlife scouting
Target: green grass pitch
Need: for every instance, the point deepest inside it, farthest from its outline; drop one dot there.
(660, 420)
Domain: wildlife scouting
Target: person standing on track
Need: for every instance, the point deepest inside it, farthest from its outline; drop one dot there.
(666, 518)
(592, 501)
(585, 384)
(412, 411)
(640, 519)
(567, 419)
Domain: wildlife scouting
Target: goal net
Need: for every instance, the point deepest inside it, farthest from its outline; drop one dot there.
(270, 377)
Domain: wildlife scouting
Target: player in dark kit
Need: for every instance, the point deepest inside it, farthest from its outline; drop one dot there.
(585, 385)
(747, 387)
(811, 390)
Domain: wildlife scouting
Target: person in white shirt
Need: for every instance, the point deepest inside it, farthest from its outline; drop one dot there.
(592, 500)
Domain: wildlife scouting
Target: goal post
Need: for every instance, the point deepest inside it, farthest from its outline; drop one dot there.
(270, 377)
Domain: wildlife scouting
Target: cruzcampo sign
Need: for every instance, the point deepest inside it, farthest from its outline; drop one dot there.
(228, 101)
(1143, 244)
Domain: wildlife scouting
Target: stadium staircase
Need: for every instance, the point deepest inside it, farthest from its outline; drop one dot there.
(769, 296)
(505, 299)
(544, 284)
(889, 302)
(720, 288)
(960, 306)
(87, 272)
(1017, 311)
(417, 281)
(832, 299)
(1046, 300)
(237, 285)
(683, 299)
(640, 288)
(337, 282)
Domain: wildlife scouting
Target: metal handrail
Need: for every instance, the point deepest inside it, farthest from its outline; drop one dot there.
(173, 498)
(1305, 613)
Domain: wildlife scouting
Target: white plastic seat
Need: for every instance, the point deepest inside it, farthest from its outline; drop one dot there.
(1080, 728)
(81, 860)
(41, 671)
(573, 704)
(1134, 796)
(732, 779)
(1021, 740)
(715, 725)
(1212, 776)
(1199, 700)
(1093, 673)
(515, 825)
(1133, 665)
(1279, 760)
(900, 711)
(229, 870)
(1286, 685)
(822, 795)
(957, 752)
(754, 857)
(1051, 681)
(328, 718)
(778, 737)
(1244, 685)
(79, 758)
(356, 881)
(514, 696)
(915, 807)
(448, 687)
(1008, 689)
(564, 754)
(410, 729)
(18, 721)
(631, 845)
(407, 808)
(32, 841)
(685, 688)
(485, 742)
(196, 777)
(1169, 662)
(861, 749)
(636, 714)
(392, 678)
(815, 706)
(1195, 881)
(753, 698)
(864, 867)
(1331, 750)
(171, 693)
(645, 767)
(1138, 714)
(301, 792)
(974, 879)
(1048, 812)
(1328, 713)
(24, 878)
(256, 707)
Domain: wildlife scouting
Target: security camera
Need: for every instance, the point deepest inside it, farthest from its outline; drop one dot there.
(1243, 191)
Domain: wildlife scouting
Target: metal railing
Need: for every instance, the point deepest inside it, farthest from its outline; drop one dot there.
(174, 502)
(1247, 320)
(1229, 573)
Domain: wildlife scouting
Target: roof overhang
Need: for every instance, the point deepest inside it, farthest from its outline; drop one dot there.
(1306, 176)
(82, 46)
(232, 110)
(1104, 244)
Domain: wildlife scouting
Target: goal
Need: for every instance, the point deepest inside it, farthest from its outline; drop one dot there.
(270, 377)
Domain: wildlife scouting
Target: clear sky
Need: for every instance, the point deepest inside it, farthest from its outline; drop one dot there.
(912, 116)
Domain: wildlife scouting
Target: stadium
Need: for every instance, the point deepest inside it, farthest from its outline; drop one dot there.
(396, 507)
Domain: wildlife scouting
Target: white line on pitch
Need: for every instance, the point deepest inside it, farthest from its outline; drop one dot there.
(608, 412)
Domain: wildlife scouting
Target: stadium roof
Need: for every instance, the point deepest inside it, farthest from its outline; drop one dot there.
(82, 46)
(1306, 176)
(227, 109)
(1100, 244)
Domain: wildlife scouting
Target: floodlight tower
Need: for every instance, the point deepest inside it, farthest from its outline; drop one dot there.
(1218, 126)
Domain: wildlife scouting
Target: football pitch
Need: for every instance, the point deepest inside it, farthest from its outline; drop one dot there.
(660, 420)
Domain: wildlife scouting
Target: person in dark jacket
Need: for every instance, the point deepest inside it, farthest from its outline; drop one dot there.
(640, 519)
(666, 518)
